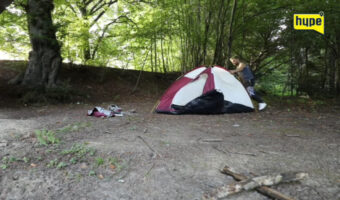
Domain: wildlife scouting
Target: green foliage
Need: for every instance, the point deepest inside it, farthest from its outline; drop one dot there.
(4, 163)
(79, 151)
(99, 161)
(61, 165)
(73, 161)
(116, 163)
(52, 163)
(13, 38)
(46, 137)
(3, 166)
(26, 160)
(58, 165)
(74, 127)
(92, 173)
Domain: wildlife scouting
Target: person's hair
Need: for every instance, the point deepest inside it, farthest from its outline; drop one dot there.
(239, 59)
(236, 57)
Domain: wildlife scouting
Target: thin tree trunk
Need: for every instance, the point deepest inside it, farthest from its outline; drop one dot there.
(243, 30)
(291, 62)
(332, 72)
(219, 31)
(337, 62)
(151, 57)
(44, 59)
(155, 46)
(87, 50)
(230, 38)
(206, 34)
(163, 60)
(325, 72)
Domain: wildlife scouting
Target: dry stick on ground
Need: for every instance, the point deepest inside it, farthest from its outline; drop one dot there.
(253, 183)
(227, 151)
(212, 140)
(140, 137)
(274, 194)
(292, 135)
(147, 173)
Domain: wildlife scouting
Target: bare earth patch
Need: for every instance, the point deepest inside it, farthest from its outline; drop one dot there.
(57, 152)
(152, 156)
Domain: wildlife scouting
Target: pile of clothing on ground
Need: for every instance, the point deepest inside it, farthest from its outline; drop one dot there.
(112, 111)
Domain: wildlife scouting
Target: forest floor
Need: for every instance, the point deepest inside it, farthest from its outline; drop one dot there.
(143, 155)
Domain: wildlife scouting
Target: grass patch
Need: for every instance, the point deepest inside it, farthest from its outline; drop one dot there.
(100, 161)
(52, 163)
(46, 137)
(115, 164)
(7, 161)
(74, 127)
(79, 151)
(61, 165)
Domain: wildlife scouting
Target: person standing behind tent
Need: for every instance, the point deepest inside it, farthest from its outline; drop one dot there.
(248, 77)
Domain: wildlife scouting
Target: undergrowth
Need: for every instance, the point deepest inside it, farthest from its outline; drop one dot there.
(63, 93)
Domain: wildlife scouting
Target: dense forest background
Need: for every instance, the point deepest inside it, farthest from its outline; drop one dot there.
(178, 35)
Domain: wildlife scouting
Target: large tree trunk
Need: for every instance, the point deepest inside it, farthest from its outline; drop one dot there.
(44, 59)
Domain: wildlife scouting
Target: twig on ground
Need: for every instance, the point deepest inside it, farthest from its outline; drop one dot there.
(269, 152)
(140, 137)
(108, 132)
(212, 140)
(147, 173)
(239, 153)
(292, 135)
(253, 183)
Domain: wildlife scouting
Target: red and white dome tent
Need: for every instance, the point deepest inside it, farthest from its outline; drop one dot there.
(206, 90)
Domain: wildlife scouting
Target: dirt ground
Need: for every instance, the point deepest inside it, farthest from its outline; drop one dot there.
(153, 156)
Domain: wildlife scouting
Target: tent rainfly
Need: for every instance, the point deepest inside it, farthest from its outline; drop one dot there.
(205, 90)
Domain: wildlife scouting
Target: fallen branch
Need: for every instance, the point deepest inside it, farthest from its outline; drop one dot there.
(253, 183)
(145, 130)
(147, 144)
(292, 135)
(232, 152)
(147, 174)
(269, 152)
(108, 132)
(274, 194)
(140, 137)
(212, 140)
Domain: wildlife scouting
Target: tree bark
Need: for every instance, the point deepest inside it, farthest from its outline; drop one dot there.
(44, 59)
(230, 38)
(219, 59)
(162, 52)
(332, 71)
(206, 34)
